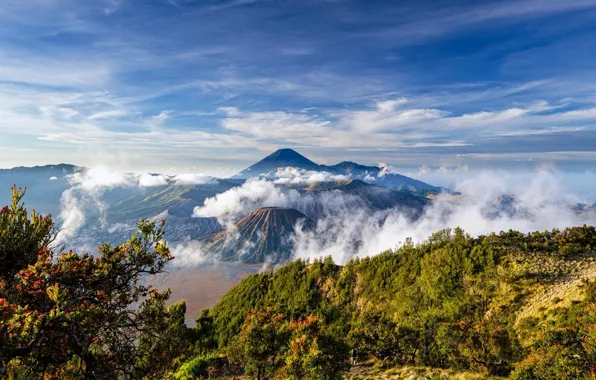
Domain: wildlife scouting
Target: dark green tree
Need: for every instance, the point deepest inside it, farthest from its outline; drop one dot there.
(72, 316)
(22, 237)
(260, 347)
(205, 333)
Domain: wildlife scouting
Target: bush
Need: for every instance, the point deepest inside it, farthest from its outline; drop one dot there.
(72, 316)
(202, 366)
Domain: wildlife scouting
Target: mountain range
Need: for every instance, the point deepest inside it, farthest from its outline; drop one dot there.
(372, 174)
(262, 235)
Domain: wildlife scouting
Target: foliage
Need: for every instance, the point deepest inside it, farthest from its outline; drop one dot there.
(83, 316)
(312, 354)
(202, 366)
(204, 333)
(259, 347)
(565, 350)
(451, 301)
(271, 346)
(486, 343)
(21, 237)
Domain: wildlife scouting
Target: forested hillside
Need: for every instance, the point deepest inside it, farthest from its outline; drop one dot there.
(504, 305)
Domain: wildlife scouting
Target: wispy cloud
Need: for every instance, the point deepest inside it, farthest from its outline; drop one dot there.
(426, 23)
(234, 3)
(172, 80)
(112, 114)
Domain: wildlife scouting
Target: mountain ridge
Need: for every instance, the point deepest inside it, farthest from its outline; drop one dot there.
(372, 174)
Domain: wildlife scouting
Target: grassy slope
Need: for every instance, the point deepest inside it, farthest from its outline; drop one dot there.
(413, 373)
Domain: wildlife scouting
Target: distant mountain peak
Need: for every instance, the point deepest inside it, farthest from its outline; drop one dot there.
(348, 163)
(287, 155)
(349, 167)
(281, 158)
(286, 151)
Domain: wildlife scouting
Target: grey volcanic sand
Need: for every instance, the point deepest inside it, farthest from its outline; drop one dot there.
(202, 286)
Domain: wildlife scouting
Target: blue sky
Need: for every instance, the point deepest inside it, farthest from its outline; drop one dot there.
(213, 85)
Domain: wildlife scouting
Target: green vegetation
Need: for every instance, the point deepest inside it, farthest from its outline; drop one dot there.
(512, 305)
(452, 302)
(72, 316)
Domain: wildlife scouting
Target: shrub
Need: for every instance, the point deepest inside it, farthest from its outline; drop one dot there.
(201, 366)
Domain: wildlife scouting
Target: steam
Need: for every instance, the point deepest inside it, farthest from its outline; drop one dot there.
(148, 180)
(86, 189)
(237, 202)
(538, 202)
(189, 254)
(84, 197)
(490, 202)
(385, 169)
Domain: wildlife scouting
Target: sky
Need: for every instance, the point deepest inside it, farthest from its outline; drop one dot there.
(213, 85)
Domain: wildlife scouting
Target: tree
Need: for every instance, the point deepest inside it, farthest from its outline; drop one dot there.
(377, 336)
(72, 316)
(168, 342)
(259, 347)
(21, 237)
(565, 351)
(269, 346)
(313, 354)
(205, 332)
(487, 343)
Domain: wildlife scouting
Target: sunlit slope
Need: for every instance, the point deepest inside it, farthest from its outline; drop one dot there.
(509, 276)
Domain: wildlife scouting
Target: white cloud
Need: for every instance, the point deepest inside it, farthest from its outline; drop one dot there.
(47, 71)
(276, 125)
(386, 117)
(294, 176)
(88, 186)
(541, 201)
(149, 180)
(483, 118)
(112, 114)
(545, 131)
(391, 105)
(230, 206)
(193, 179)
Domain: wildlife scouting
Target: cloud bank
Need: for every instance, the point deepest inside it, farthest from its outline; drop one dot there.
(294, 176)
(85, 196)
(490, 202)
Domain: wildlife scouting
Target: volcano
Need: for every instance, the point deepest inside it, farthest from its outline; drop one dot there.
(281, 158)
(265, 235)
